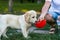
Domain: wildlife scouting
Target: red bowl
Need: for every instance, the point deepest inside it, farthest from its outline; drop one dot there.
(40, 24)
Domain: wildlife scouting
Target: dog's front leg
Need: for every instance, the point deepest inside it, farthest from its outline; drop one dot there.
(25, 33)
(3, 28)
(4, 34)
(0, 37)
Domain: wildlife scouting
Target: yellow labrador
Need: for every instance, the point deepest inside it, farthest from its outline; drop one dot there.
(22, 22)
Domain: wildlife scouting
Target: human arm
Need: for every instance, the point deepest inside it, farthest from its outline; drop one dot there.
(44, 10)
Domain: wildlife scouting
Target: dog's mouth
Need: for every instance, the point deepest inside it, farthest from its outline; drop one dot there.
(31, 22)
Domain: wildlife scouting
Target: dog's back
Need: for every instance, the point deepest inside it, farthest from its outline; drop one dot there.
(9, 20)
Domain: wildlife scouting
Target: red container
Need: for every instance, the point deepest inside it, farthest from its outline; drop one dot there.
(40, 24)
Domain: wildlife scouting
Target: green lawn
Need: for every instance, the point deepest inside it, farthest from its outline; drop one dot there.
(14, 35)
(34, 36)
(18, 6)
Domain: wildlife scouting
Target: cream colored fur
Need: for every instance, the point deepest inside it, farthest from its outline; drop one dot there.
(22, 22)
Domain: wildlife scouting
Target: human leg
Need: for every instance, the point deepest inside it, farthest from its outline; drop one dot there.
(51, 19)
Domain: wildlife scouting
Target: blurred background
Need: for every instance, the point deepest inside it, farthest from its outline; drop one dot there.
(20, 5)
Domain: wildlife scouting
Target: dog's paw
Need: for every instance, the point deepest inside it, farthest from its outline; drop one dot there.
(5, 36)
(28, 37)
(0, 39)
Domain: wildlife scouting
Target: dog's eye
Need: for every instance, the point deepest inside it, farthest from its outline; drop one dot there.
(33, 17)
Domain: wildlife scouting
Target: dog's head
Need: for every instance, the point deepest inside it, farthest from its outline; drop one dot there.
(31, 16)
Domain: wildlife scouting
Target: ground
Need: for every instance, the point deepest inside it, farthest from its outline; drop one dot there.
(17, 35)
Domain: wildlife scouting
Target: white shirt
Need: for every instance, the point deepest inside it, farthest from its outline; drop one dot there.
(48, 0)
(55, 5)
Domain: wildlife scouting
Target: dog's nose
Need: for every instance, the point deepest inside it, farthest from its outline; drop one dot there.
(35, 21)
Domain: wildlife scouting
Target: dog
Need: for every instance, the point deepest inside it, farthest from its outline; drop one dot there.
(22, 22)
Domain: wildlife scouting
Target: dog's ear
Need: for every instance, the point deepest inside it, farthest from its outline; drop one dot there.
(27, 17)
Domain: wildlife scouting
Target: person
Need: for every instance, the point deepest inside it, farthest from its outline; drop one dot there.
(51, 12)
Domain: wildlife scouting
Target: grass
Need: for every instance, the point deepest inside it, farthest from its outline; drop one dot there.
(33, 36)
(28, 6)
(18, 6)
(14, 35)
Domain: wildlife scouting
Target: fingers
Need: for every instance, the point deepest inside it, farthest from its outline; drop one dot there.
(41, 18)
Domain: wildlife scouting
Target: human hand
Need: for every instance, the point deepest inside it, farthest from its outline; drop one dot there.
(41, 17)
